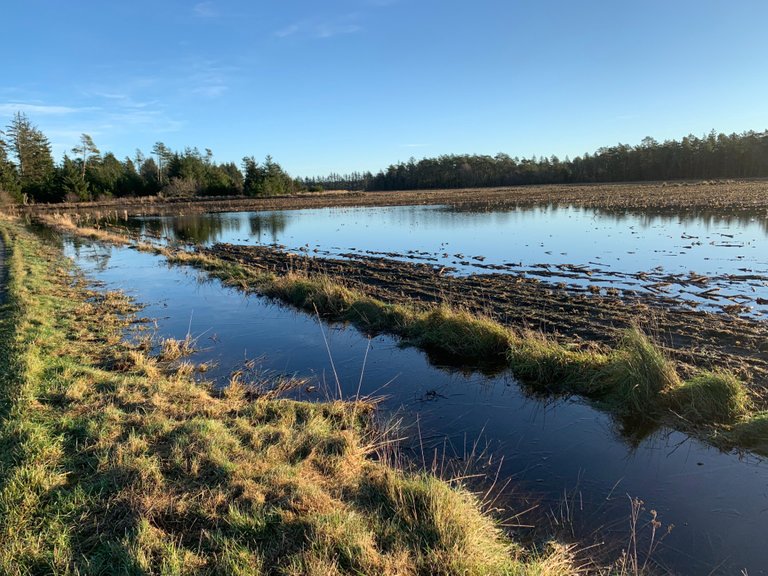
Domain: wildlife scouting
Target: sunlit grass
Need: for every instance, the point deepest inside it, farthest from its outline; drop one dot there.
(114, 462)
(637, 374)
(716, 397)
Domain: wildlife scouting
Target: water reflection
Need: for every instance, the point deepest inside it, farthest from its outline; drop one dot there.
(653, 251)
(645, 217)
(206, 229)
(563, 452)
(267, 227)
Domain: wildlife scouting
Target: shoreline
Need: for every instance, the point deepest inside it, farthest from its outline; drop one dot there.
(697, 340)
(738, 195)
(116, 458)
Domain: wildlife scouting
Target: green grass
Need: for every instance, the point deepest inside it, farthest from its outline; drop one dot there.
(109, 464)
(711, 397)
(637, 374)
(751, 433)
(551, 367)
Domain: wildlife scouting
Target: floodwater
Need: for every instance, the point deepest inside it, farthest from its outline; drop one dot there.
(711, 260)
(563, 456)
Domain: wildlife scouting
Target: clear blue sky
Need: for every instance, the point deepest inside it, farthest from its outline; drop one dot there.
(342, 85)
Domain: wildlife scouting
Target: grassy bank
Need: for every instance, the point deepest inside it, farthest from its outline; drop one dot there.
(113, 462)
(634, 380)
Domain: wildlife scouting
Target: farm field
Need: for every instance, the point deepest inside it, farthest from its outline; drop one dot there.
(731, 194)
(565, 301)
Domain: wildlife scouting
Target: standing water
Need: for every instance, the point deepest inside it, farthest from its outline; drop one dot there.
(706, 260)
(562, 454)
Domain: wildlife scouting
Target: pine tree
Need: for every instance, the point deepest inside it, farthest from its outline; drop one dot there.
(253, 183)
(8, 178)
(86, 151)
(34, 162)
(164, 156)
(72, 183)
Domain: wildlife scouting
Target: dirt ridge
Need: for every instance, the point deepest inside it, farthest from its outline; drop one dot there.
(696, 339)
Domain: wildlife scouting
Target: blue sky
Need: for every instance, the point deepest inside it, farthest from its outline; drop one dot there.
(343, 85)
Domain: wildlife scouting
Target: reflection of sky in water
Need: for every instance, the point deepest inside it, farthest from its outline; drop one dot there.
(553, 235)
(709, 243)
(718, 501)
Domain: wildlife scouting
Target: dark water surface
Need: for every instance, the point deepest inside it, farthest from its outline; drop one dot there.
(563, 454)
(658, 252)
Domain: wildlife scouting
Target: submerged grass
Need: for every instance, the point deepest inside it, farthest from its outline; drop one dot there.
(111, 465)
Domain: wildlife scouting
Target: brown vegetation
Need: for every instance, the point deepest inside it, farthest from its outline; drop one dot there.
(735, 195)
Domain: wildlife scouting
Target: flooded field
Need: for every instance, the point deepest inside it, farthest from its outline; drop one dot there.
(562, 456)
(713, 260)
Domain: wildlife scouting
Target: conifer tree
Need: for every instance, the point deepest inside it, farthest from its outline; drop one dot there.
(86, 151)
(32, 152)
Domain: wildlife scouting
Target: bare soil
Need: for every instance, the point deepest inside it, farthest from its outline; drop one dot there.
(696, 339)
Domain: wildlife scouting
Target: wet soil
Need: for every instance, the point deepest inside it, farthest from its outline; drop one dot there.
(734, 195)
(695, 339)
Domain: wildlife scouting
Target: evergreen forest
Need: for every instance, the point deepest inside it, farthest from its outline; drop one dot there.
(29, 173)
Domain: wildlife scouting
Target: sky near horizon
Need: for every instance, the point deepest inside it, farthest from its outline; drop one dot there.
(345, 85)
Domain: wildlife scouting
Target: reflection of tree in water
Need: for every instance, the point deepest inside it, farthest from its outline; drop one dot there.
(198, 228)
(645, 217)
(92, 252)
(271, 223)
(152, 227)
(708, 218)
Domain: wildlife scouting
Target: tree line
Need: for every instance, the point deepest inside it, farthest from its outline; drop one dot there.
(334, 181)
(28, 172)
(711, 157)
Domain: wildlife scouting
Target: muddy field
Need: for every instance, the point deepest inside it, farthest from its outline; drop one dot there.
(696, 339)
(735, 195)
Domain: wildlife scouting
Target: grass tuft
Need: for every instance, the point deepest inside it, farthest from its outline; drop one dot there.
(637, 374)
(172, 349)
(750, 433)
(533, 357)
(460, 333)
(716, 397)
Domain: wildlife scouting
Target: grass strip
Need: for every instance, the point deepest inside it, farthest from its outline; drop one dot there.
(113, 463)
